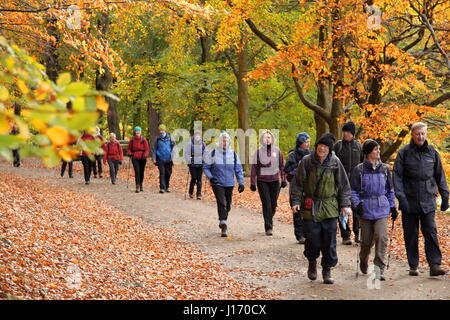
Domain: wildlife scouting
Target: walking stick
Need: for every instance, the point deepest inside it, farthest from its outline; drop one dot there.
(390, 242)
(358, 252)
(128, 178)
(187, 182)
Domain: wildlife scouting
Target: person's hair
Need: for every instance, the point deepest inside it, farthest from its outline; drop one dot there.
(418, 125)
(112, 134)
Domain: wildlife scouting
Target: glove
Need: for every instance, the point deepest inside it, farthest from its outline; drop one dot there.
(403, 206)
(444, 204)
(283, 184)
(359, 209)
(253, 187)
(394, 213)
(214, 181)
(241, 188)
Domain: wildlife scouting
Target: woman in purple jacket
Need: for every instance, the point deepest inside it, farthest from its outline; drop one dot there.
(267, 168)
(373, 196)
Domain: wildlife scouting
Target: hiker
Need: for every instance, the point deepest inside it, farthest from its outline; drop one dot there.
(162, 157)
(267, 169)
(85, 160)
(138, 150)
(374, 199)
(302, 144)
(193, 154)
(220, 167)
(320, 189)
(64, 166)
(417, 173)
(113, 154)
(348, 150)
(15, 152)
(97, 165)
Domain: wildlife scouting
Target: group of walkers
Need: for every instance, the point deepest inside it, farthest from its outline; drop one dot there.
(327, 184)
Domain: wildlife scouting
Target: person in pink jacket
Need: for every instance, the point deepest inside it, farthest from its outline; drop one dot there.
(267, 170)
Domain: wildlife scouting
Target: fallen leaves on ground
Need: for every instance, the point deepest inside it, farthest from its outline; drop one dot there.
(57, 244)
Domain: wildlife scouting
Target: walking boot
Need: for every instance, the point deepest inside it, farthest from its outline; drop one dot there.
(223, 227)
(413, 272)
(347, 241)
(435, 270)
(326, 274)
(269, 232)
(137, 188)
(363, 266)
(142, 188)
(312, 270)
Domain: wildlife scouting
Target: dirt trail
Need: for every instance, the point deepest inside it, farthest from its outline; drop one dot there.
(275, 262)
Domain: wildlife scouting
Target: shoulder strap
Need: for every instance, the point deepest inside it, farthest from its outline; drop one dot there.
(339, 143)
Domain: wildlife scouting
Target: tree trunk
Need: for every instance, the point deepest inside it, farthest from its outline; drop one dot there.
(243, 105)
(50, 55)
(103, 82)
(154, 120)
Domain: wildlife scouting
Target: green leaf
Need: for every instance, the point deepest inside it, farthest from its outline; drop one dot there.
(78, 104)
(83, 121)
(76, 89)
(63, 79)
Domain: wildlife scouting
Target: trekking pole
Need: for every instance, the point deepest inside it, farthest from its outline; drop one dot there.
(187, 182)
(390, 242)
(128, 178)
(358, 252)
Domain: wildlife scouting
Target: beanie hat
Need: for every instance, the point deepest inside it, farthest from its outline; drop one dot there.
(369, 145)
(162, 127)
(327, 139)
(349, 127)
(137, 129)
(301, 138)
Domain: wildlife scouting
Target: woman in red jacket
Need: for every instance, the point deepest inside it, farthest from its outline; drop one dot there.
(113, 155)
(138, 150)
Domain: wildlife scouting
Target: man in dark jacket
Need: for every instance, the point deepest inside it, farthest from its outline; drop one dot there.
(348, 150)
(321, 192)
(15, 152)
(417, 173)
(193, 154)
(302, 144)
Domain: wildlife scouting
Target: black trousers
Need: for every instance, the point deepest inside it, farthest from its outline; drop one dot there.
(63, 168)
(427, 224)
(224, 197)
(268, 192)
(165, 171)
(113, 168)
(196, 179)
(321, 238)
(298, 225)
(139, 169)
(87, 167)
(16, 157)
(97, 164)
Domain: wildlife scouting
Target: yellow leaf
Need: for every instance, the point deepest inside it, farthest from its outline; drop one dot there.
(4, 94)
(58, 136)
(22, 86)
(101, 103)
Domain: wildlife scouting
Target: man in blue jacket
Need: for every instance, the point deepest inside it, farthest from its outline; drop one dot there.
(221, 166)
(162, 157)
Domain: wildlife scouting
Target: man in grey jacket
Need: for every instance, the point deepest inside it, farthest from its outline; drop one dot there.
(417, 173)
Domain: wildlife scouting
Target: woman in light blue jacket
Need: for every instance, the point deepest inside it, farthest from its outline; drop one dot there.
(221, 166)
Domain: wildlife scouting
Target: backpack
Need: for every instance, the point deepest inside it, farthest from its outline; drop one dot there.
(360, 170)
